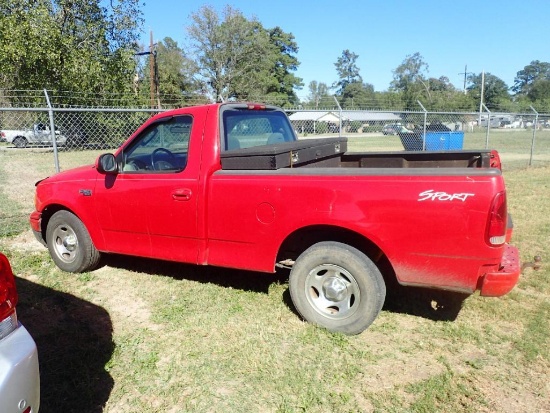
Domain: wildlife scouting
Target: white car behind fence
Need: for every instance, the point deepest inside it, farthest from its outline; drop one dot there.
(39, 134)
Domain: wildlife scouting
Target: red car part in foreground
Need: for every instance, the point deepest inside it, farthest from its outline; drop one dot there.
(19, 376)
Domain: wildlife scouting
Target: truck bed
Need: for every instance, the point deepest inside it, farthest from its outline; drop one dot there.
(332, 153)
(410, 159)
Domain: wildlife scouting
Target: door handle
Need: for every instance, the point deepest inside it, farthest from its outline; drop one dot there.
(182, 194)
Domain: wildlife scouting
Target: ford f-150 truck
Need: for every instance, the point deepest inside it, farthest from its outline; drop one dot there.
(230, 185)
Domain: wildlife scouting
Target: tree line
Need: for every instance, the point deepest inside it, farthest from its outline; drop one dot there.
(88, 52)
(411, 84)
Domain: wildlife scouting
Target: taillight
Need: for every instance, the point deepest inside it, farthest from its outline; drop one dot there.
(495, 234)
(8, 298)
(495, 160)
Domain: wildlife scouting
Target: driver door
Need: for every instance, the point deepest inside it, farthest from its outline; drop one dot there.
(150, 207)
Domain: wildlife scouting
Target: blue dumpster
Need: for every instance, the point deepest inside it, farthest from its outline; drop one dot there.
(444, 141)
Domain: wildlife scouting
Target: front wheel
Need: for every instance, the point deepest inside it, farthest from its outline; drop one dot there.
(69, 243)
(337, 287)
(20, 142)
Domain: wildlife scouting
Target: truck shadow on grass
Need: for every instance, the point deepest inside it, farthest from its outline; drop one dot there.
(74, 340)
(427, 303)
(224, 277)
(421, 302)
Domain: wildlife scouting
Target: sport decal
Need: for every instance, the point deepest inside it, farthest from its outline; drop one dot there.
(431, 195)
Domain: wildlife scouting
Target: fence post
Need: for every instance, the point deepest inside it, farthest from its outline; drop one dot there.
(534, 134)
(488, 126)
(424, 129)
(52, 132)
(340, 116)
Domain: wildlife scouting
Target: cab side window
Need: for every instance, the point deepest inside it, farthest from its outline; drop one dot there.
(161, 148)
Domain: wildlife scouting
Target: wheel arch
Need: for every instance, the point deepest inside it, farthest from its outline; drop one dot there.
(51, 209)
(303, 238)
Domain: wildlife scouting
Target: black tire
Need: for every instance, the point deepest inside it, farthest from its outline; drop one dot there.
(337, 287)
(20, 142)
(69, 243)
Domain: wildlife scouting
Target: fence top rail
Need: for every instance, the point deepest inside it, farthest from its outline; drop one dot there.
(46, 109)
(153, 111)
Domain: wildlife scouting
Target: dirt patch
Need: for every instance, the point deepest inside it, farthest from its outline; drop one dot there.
(119, 295)
(513, 391)
(399, 370)
(25, 242)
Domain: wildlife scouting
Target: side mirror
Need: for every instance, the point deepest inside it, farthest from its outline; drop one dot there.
(107, 164)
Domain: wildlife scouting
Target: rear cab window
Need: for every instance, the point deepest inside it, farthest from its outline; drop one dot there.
(248, 125)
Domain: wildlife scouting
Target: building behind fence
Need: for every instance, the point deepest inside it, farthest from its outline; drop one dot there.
(523, 139)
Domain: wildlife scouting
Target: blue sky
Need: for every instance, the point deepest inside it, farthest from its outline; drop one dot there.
(497, 36)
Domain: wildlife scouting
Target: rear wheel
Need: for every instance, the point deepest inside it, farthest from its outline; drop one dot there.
(20, 142)
(337, 287)
(69, 243)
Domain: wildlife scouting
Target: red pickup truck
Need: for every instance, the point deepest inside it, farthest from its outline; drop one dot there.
(230, 185)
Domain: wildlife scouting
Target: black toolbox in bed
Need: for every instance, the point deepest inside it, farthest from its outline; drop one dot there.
(320, 152)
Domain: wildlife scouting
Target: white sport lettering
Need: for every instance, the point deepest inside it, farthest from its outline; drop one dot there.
(431, 195)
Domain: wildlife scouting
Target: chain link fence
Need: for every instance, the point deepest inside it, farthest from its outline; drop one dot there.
(75, 129)
(523, 139)
(27, 151)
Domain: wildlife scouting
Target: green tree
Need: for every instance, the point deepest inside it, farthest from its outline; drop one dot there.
(357, 95)
(526, 78)
(217, 48)
(410, 78)
(539, 95)
(282, 89)
(412, 70)
(319, 96)
(43, 44)
(442, 84)
(495, 90)
(251, 59)
(390, 99)
(412, 84)
(175, 75)
(238, 58)
(348, 72)
(540, 90)
(445, 97)
(28, 41)
(229, 53)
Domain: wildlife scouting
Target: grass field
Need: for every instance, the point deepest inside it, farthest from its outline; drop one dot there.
(147, 336)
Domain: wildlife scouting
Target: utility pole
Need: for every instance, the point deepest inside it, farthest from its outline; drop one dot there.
(465, 73)
(481, 100)
(152, 70)
(153, 73)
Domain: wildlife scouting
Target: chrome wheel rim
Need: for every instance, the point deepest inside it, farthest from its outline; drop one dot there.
(332, 291)
(65, 243)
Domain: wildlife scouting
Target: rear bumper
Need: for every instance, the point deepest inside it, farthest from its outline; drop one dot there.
(495, 284)
(19, 376)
